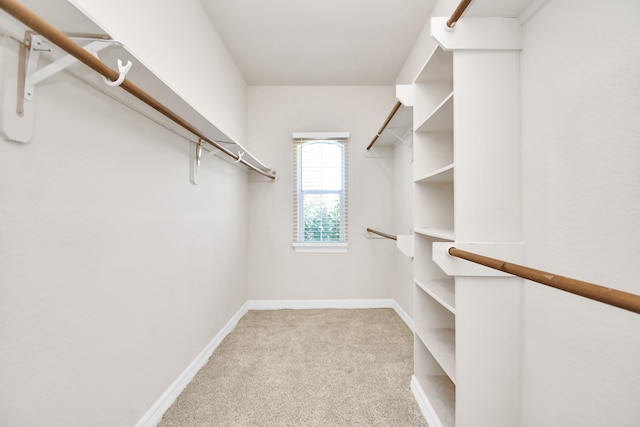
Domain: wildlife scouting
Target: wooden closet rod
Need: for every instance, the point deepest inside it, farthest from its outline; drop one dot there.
(386, 122)
(380, 233)
(43, 28)
(457, 14)
(614, 297)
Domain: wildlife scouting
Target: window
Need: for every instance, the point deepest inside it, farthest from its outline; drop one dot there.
(320, 199)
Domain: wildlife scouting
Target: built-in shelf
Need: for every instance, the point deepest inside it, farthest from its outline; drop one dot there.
(442, 290)
(441, 343)
(156, 100)
(441, 119)
(485, 82)
(437, 68)
(440, 233)
(444, 174)
(436, 386)
(434, 293)
(441, 392)
(432, 154)
(397, 128)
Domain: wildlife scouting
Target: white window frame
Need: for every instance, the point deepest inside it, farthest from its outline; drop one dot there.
(320, 247)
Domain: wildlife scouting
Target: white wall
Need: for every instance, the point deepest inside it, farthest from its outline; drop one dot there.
(581, 178)
(115, 271)
(276, 271)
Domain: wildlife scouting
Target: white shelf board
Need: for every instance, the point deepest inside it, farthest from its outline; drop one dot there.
(441, 119)
(441, 343)
(440, 233)
(403, 118)
(444, 174)
(441, 290)
(440, 393)
(398, 128)
(145, 78)
(437, 68)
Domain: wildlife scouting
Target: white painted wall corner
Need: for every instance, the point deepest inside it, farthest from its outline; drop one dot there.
(153, 416)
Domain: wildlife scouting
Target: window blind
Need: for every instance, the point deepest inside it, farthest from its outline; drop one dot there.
(320, 190)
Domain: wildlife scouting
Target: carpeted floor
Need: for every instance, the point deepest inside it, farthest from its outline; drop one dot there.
(305, 368)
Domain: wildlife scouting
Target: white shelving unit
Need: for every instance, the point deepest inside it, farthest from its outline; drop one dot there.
(441, 119)
(440, 233)
(466, 190)
(444, 174)
(435, 385)
(442, 290)
(434, 293)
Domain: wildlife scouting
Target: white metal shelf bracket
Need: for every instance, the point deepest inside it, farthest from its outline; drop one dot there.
(398, 137)
(17, 124)
(32, 75)
(196, 157)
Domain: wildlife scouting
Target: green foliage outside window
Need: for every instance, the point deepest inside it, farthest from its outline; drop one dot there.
(322, 220)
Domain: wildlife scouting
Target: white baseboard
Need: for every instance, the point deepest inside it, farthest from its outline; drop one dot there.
(403, 315)
(297, 304)
(332, 303)
(423, 403)
(153, 416)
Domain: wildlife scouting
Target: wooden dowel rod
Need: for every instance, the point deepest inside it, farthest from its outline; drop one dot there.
(43, 28)
(457, 14)
(380, 233)
(384, 125)
(614, 297)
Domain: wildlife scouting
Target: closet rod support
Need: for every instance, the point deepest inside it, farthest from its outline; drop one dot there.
(36, 44)
(38, 25)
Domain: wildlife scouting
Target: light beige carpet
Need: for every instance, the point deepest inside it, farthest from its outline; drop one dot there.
(305, 368)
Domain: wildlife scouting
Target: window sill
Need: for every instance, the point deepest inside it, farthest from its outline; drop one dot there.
(321, 247)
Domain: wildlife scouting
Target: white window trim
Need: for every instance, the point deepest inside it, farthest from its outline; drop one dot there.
(322, 247)
(307, 247)
(321, 135)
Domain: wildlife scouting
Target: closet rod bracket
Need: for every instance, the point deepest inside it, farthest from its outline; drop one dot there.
(35, 44)
(18, 124)
(196, 157)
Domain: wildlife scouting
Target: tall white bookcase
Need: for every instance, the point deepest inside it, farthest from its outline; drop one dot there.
(466, 102)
